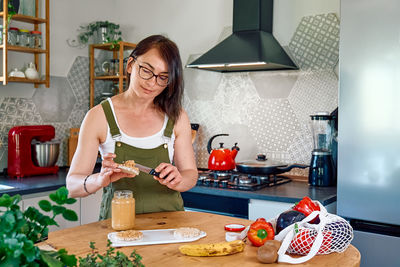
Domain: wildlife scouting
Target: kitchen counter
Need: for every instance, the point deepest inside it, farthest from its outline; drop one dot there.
(76, 241)
(290, 192)
(34, 184)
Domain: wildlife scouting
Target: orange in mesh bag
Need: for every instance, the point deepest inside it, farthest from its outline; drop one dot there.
(331, 234)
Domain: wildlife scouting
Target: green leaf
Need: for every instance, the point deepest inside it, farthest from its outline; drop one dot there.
(50, 221)
(70, 201)
(70, 215)
(49, 260)
(58, 209)
(68, 260)
(5, 201)
(45, 205)
(62, 194)
(53, 197)
(31, 254)
(16, 199)
(7, 221)
(28, 245)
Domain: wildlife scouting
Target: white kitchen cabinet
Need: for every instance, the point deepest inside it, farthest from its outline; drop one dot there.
(90, 207)
(266, 209)
(32, 200)
(271, 209)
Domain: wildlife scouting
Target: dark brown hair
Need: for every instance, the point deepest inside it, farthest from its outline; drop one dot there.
(170, 100)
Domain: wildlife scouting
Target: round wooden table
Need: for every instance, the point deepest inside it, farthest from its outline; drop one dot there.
(76, 241)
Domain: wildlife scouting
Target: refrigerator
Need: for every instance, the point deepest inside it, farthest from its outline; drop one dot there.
(368, 190)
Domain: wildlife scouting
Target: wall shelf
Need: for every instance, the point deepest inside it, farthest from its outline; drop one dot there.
(5, 47)
(27, 19)
(118, 53)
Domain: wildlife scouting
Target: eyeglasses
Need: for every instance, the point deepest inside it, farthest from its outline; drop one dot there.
(145, 73)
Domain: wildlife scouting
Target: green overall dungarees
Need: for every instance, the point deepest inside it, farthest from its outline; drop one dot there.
(149, 194)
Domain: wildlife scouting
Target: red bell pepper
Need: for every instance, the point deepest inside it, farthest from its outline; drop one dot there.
(306, 206)
(260, 231)
(304, 239)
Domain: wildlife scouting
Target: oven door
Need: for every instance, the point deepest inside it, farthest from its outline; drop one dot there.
(228, 206)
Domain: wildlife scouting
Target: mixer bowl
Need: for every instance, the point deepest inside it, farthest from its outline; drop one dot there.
(45, 154)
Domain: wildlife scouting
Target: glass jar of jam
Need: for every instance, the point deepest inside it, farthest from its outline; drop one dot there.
(123, 210)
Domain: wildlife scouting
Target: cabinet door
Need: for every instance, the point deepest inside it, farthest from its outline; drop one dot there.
(90, 207)
(33, 200)
(266, 209)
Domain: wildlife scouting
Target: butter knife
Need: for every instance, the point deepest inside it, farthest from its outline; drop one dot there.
(147, 170)
(141, 168)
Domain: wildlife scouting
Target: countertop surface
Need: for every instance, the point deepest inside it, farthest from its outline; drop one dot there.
(76, 241)
(289, 192)
(34, 184)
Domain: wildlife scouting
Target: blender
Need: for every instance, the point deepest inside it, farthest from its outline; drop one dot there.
(322, 171)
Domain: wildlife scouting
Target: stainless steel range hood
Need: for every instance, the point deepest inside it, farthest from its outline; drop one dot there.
(251, 45)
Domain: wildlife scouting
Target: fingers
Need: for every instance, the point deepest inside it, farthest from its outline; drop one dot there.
(108, 161)
(169, 175)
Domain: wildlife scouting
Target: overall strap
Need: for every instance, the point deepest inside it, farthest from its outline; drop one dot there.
(169, 128)
(110, 119)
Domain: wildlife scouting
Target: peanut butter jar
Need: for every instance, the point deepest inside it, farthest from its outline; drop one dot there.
(123, 210)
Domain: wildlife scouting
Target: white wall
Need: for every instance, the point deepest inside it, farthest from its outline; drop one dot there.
(194, 25)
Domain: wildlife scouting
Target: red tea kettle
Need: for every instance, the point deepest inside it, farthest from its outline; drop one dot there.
(221, 159)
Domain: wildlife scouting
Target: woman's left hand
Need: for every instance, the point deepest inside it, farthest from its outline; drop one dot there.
(169, 175)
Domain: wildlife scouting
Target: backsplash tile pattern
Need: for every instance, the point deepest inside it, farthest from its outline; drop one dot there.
(315, 43)
(234, 95)
(314, 91)
(78, 77)
(268, 111)
(273, 124)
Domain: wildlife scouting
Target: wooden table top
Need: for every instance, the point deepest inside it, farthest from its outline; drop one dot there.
(76, 241)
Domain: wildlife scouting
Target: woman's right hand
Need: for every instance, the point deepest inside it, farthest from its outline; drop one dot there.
(110, 172)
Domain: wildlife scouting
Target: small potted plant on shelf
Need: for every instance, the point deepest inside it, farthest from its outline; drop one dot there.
(13, 6)
(100, 32)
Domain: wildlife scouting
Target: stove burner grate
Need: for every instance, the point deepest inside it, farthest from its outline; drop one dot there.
(239, 181)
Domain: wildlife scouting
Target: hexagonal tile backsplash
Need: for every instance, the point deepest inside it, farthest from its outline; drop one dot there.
(268, 111)
(265, 112)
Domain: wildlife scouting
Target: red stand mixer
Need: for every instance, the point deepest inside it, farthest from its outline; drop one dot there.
(20, 154)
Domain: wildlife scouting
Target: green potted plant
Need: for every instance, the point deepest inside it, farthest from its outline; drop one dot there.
(100, 32)
(20, 230)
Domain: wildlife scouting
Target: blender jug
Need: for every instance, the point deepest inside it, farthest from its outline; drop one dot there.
(322, 171)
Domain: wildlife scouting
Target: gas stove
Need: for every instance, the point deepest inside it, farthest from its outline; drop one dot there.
(237, 180)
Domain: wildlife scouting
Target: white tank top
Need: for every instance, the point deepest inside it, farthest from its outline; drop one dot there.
(147, 142)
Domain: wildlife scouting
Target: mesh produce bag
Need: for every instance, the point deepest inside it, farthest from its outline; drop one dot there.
(331, 234)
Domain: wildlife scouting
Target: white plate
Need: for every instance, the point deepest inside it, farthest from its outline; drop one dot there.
(152, 237)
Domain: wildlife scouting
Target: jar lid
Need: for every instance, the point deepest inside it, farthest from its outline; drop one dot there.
(234, 227)
(13, 29)
(36, 32)
(23, 30)
(123, 194)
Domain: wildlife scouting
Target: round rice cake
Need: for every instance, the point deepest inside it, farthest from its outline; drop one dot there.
(186, 232)
(129, 235)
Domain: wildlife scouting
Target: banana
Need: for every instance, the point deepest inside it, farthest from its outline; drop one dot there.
(213, 249)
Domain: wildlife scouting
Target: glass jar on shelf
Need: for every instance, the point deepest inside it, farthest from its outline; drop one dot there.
(1, 34)
(116, 67)
(112, 67)
(24, 37)
(36, 39)
(13, 36)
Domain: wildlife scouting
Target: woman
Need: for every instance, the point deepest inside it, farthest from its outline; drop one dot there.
(146, 124)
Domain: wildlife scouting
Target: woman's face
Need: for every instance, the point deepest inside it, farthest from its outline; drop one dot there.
(146, 66)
